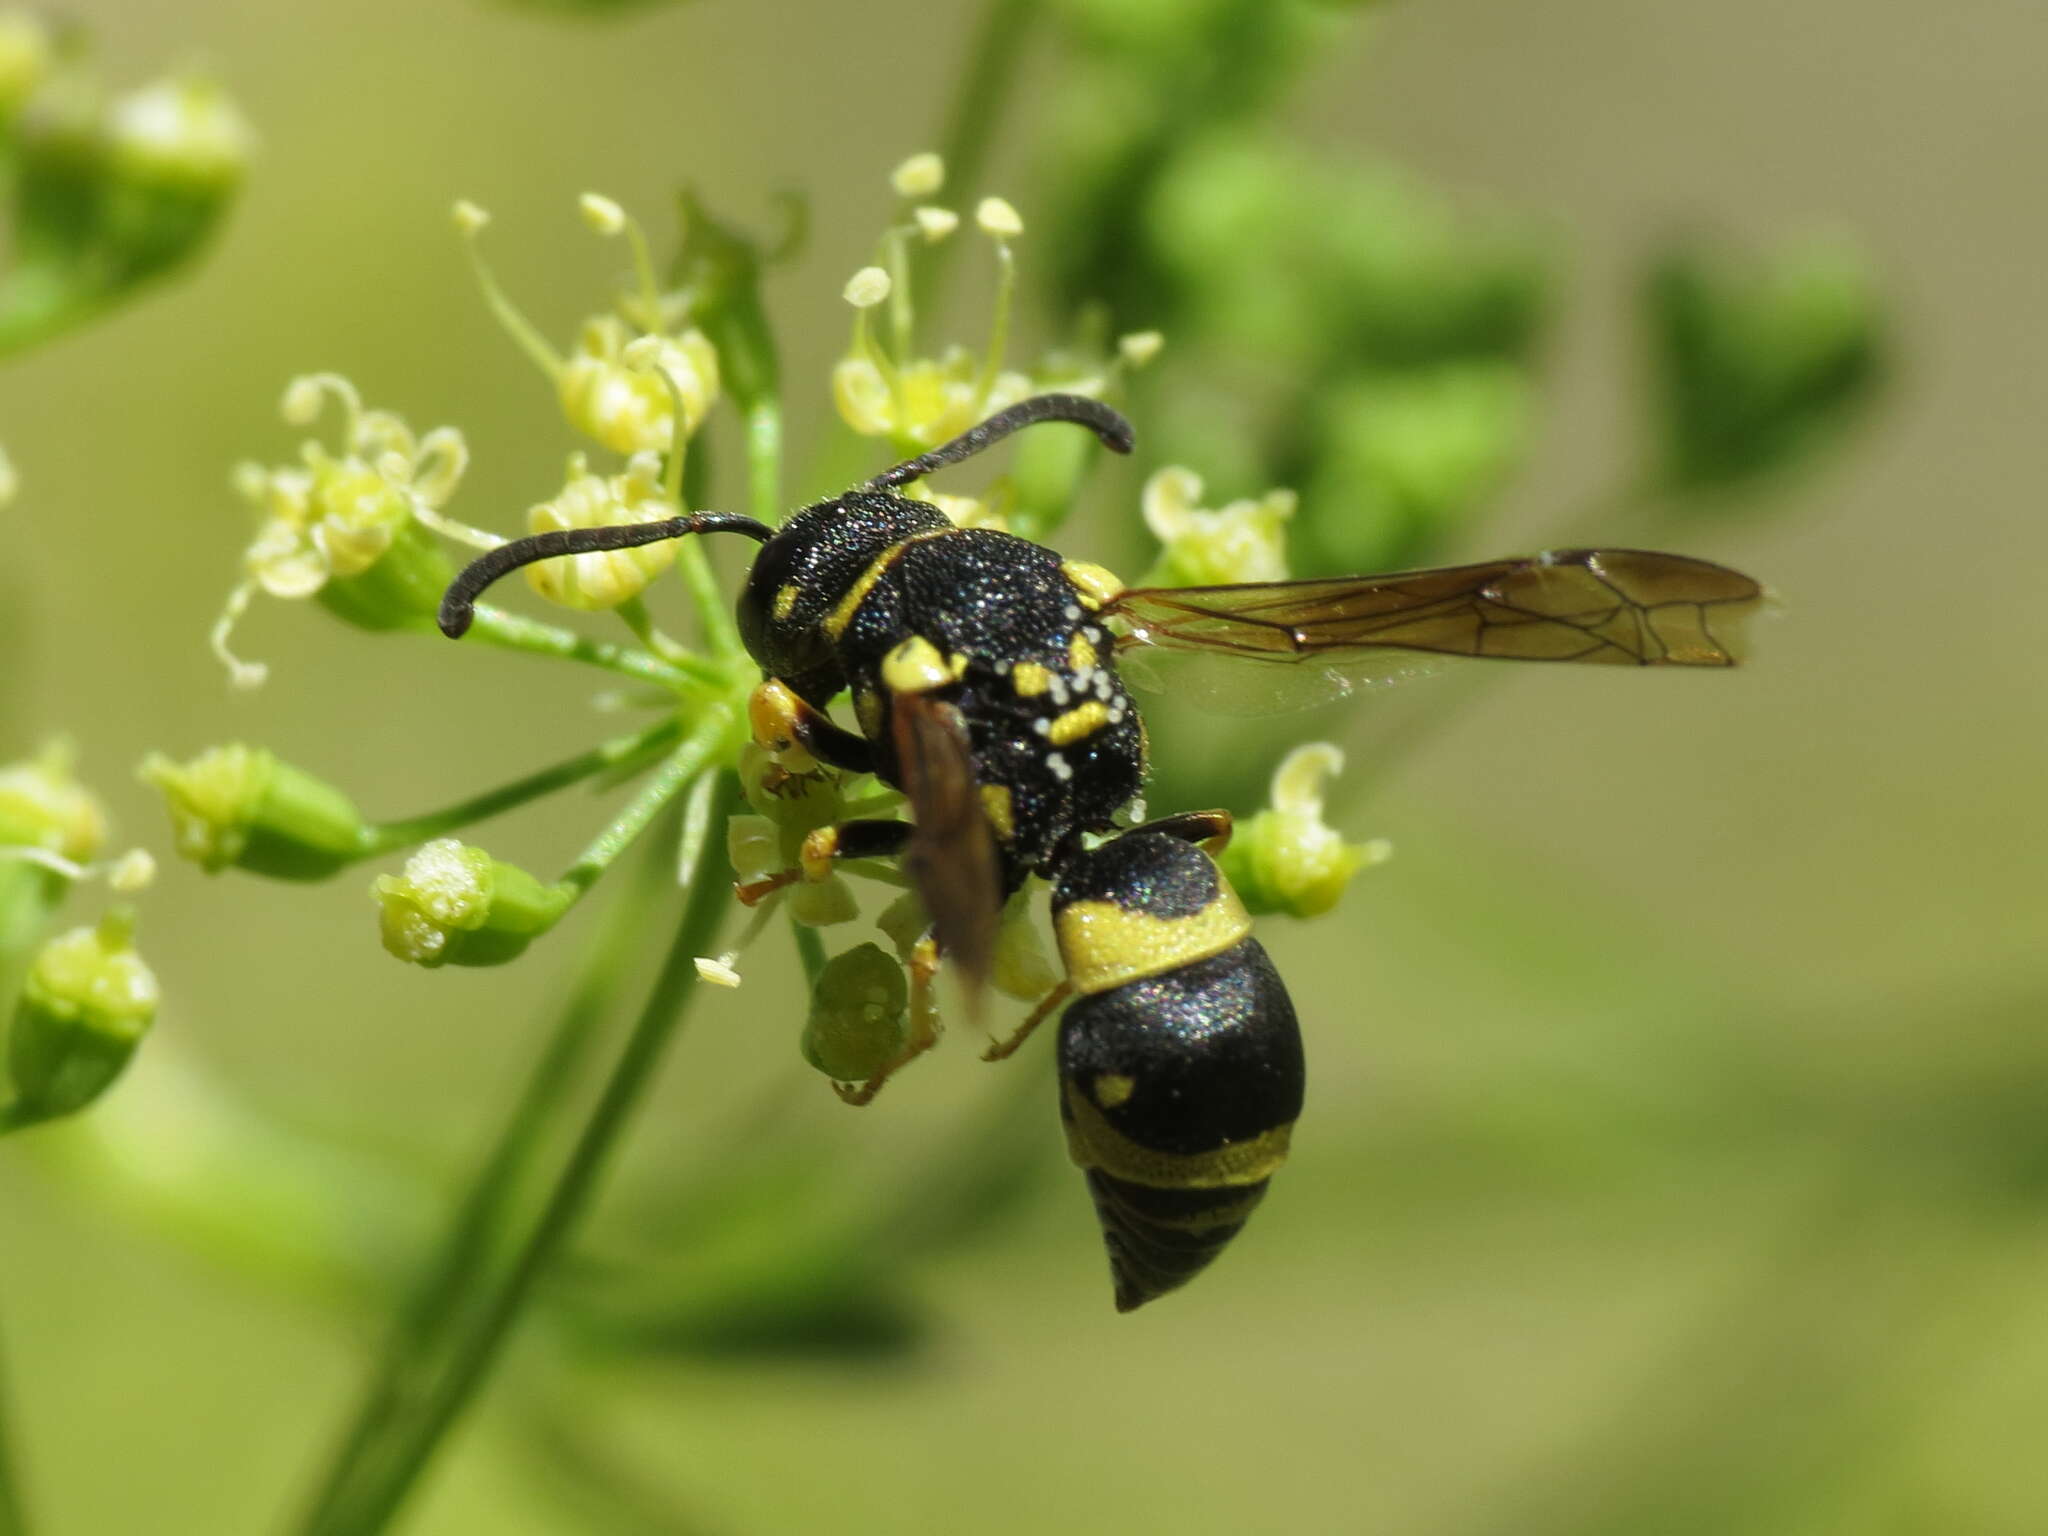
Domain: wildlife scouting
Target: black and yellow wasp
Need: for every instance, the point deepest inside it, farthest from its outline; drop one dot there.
(983, 672)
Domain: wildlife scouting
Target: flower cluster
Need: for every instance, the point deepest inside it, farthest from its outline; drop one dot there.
(85, 997)
(360, 522)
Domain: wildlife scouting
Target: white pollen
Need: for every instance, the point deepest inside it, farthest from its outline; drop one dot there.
(1042, 725)
(1061, 769)
(1072, 612)
(1058, 690)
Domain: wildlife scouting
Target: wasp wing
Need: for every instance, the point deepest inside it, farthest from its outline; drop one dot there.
(951, 859)
(1623, 607)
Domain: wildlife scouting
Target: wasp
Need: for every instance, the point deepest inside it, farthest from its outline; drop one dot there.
(986, 678)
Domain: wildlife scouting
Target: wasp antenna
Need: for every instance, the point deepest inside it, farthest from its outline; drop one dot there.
(1105, 422)
(458, 603)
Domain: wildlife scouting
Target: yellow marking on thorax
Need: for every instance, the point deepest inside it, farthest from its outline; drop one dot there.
(915, 666)
(843, 612)
(1081, 720)
(1080, 654)
(1030, 679)
(1098, 586)
(996, 805)
(785, 599)
(1093, 1142)
(1105, 945)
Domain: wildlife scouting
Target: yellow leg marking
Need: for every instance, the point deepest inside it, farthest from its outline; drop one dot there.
(820, 849)
(999, 1049)
(1080, 654)
(924, 1027)
(772, 713)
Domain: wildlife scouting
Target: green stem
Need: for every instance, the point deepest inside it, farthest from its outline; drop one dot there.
(458, 1268)
(684, 764)
(513, 632)
(810, 949)
(764, 458)
(13, 1521)
(620, 752)
(623, 1091)
(978, 104)
(633, 613)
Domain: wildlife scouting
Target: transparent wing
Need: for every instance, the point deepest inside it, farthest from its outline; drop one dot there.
(1621, 607)
(952, 854)
(1218, 682)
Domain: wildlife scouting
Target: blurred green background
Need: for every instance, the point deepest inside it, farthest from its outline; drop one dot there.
(1676, 1156)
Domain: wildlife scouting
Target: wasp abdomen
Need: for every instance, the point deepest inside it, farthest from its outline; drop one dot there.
(1180, 1061)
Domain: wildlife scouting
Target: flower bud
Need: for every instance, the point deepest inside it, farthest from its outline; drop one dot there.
(602, 578)
(1286, 858)
(629, 409)
(921, 175)
(239, 806)
(1244, 541)
(181, 132)
(456, 905)
(867, 287)
(87, 1002)
(859, 1018)
(43, 806)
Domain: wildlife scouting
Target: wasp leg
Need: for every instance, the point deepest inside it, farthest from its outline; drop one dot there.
(999, 1049)
(799, 736)
(825, 847)
(1210, 830)
(924, 1026)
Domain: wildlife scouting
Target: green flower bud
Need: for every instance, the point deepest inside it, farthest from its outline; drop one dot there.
(1244, 541)
(1286, 859)
(1405, 460)
(26, 51)
(456, 905)
(859, 1020)
(43, 806)
(87, 1002)
(240, 806)
(183, 132)
(1757, 364)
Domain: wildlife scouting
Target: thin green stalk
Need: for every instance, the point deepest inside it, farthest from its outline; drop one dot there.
(688, 760)
(412, 1347)
(13, 1521)
(810, 949)
(512, 632)
(623, 1091)
(764, 458)
(979, 102)
(623, 752)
